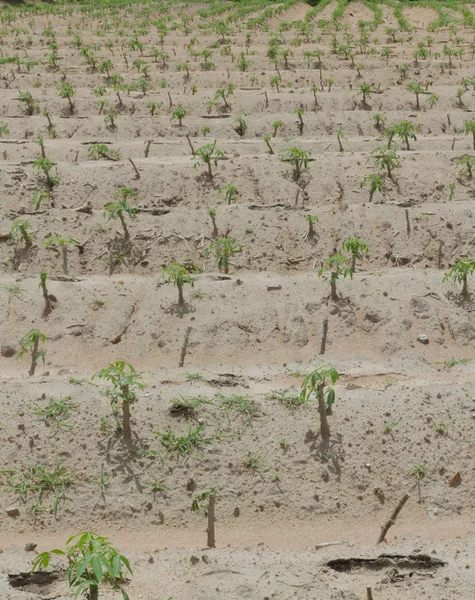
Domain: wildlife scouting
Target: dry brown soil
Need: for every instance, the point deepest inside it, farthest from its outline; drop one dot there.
(245, 339)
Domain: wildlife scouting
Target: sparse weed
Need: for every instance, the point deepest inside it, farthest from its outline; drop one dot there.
(240, 405)
(14, 289)
(292, 400)
(252, 461)
(56, 412)
(389, 427)
(184, 444)
(40, 482)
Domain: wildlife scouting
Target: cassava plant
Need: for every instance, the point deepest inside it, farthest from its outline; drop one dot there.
(126, 382)
(316, 384)
(43, 279)
(229, 192)
(267, 140)
(356, 248)
(337, 266)
(459, 274)
(298, 158)
(179, 275)
(212, 216)
(375, 183)
(386, 158)
(240, 125)
(179, 114)
(210, 496)
(365, 90)
(66, 90)
(120, 208)
(311, 220)
(30, 344)
(467, 164)
(416, 88)
(208, 155)
(44, 165)
(91, 561)
(469, 129)
(223, 248)
(21, 228)
(63, 244)
(406, 130)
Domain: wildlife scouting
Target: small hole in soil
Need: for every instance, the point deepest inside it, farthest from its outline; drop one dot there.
(29, 580)
(384, 561)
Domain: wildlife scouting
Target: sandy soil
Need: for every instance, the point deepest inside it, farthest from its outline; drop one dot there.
(252, 333)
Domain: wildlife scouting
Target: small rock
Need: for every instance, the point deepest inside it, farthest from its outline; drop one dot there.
(30, 546)
(194, 560)
(13, 511)
(150, 560)
(236, 512)
(8, 350)
(205, 559)
(422, 338)
(456, 480)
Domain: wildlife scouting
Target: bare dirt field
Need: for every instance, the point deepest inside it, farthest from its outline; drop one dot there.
(320, 125)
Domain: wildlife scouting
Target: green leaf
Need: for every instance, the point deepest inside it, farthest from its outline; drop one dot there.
(83, 565)
(330, 397)
(116, 566)
(97, 567)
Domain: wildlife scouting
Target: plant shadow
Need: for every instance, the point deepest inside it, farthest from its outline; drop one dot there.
(180, 310)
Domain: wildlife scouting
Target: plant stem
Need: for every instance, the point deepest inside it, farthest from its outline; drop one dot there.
(322, 409)
(126, 431)
(181, 299)
(34, 354)
(65, 260)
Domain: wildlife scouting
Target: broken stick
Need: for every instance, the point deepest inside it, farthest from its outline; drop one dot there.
(135, 168)
(184, 347)
(324, 336)
(393, 518)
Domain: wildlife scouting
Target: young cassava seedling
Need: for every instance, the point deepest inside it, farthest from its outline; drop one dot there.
(179, 113)
(178, 275)
(311, 220)
(386, 158)
(267, 139)
(337, 266)
(375, 183)
(212, 216)
(21, 228)
(223, 248)
(208, 155)
(356, 248)
(298, 158)
(210, 496)
(97, 151)
(316, 383)
(45, 165)
(117, 210)
(43, 278)
(126, 382)
(230, 193)
(66, 90)
(30, 344)
(91, 561)
(62, 243)
(459, 274)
